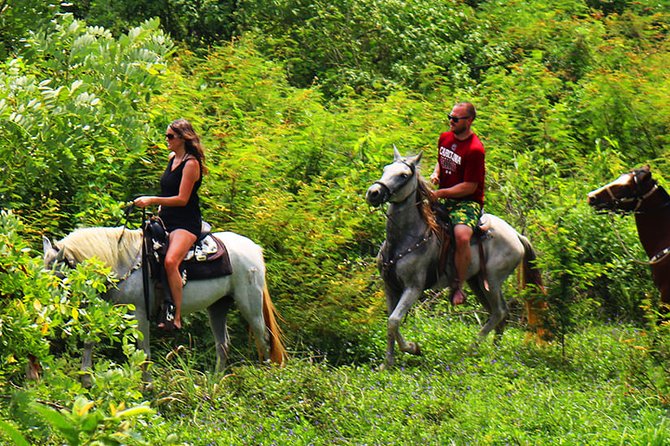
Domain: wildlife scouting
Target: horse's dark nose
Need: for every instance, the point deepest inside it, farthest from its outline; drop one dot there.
(375, 195)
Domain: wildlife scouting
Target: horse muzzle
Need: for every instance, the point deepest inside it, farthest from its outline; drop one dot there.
(593, 201)
(377, 194)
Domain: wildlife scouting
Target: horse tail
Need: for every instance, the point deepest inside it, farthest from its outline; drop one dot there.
(278, 353)
(535, 307)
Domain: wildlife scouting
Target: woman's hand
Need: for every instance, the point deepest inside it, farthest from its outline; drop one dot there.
(143, 202)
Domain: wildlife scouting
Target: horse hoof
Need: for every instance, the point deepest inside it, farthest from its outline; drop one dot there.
(86, 380)
(415, 349)
(387, 365)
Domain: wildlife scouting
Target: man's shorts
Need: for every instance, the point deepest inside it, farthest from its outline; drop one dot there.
(463, 212)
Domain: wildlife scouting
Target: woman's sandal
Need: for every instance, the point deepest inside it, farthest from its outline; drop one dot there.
(167, 317)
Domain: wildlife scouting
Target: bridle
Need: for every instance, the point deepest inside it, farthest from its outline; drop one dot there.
(390, 192)
(70, 263)
(637, 200)
(421, 240)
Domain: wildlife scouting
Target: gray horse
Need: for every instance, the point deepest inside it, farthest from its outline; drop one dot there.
(409, 258)
(120, 249)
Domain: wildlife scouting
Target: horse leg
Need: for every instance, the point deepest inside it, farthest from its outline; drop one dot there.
(497, 311)
(477, 288)
(249, 299)
(144, 328)
(218, 313)
(407, 299)
(391, 302)
(87, 364)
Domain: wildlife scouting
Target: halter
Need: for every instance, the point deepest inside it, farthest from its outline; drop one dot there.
(390, 191)
(639, 200)
(626, 200)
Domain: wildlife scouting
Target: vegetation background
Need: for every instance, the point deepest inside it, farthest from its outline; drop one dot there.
(299, 104)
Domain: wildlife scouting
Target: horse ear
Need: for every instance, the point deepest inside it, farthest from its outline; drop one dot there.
(416, 159)
(46, 244)
(49, 249)
(396, 154)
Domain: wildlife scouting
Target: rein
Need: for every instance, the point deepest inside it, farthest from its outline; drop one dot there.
(144, 256)
(130, 207)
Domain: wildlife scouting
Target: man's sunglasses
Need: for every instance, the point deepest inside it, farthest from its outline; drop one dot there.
(456, 118)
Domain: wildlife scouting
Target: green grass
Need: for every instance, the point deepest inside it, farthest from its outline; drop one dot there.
(515, 393)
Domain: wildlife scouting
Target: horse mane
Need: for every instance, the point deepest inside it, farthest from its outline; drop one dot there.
(118, 248)
(425, 201)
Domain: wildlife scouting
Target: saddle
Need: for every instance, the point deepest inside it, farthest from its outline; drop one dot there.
(207, 259)
(447, 235)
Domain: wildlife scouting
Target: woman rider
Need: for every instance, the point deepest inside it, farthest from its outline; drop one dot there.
(179, 203)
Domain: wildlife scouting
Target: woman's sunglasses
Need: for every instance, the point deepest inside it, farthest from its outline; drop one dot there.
(170, 135)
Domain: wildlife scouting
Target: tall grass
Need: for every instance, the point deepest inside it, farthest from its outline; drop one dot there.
(515, 393)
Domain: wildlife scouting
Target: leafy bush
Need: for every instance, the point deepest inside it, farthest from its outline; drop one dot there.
(40, 312)
(73, 111)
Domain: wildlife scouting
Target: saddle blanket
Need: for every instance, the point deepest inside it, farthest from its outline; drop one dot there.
(207, 260)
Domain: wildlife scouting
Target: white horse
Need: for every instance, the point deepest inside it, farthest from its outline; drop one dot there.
(121, 250)
(409, 259)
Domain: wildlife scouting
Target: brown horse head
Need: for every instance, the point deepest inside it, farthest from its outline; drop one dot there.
(626, 193)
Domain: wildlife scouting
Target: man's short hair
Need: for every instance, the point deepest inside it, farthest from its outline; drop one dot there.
(472, 112)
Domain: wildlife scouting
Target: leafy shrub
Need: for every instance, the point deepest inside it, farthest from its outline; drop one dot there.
(38, 308)
(73, 112)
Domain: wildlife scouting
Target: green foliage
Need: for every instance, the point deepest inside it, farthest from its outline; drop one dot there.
(38, 308)
(86, 424)
(17, 18)
(72, 111)
(198, 23)
(448, 395)
(299, 112)
(360, 45)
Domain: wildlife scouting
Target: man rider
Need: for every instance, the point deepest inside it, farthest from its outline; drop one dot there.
(459, 174)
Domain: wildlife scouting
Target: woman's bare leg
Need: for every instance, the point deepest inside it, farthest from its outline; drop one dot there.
(180, 242)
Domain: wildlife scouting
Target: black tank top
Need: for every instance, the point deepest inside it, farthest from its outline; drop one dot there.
(180, 217)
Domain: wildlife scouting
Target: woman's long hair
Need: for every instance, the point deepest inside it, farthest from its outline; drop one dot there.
(192, 143)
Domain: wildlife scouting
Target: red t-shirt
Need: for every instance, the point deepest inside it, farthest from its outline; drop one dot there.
(461, 161)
